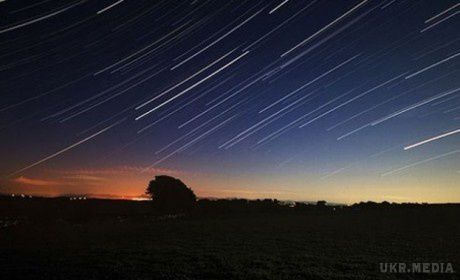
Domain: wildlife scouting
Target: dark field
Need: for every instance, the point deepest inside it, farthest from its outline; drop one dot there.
(92, 239)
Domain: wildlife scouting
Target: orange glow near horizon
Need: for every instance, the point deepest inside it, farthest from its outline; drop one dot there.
(129, 183)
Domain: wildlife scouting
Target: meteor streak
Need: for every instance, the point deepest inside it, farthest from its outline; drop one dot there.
(420, 162)
(277, 7)
(66, 149)
(195, 129)
(190, 143)
(441, 21)
(259, 123)
(432, 65)
(309, 83)
(324, 28)
(431, 139)
(217, 40)
(418, 104)
(441, 13)
(109, 7)
(186, 80)
(192, 86)
(29, 22)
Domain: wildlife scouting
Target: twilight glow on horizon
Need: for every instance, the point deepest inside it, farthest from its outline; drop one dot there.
(345, 101)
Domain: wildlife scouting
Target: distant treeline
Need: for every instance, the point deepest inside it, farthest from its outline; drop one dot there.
(77, 206)
(236, 202)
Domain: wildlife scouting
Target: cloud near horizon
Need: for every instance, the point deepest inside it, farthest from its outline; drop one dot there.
(35, 182)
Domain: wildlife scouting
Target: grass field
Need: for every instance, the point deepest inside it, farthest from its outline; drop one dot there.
(124, 240)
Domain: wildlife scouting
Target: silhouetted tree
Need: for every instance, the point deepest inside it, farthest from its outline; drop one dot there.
(170, 194)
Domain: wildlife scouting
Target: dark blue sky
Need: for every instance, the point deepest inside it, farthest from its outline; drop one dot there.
(337, 100)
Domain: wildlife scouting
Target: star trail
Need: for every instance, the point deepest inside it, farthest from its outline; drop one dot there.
(337, 100)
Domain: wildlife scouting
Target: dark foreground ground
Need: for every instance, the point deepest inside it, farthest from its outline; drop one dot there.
(129, 240)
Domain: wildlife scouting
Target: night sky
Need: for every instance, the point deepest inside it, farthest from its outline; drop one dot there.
(301, 100)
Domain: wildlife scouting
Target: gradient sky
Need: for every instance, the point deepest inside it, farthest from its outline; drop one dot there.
(302, 100)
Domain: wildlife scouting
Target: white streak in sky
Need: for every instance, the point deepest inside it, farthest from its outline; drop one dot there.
(195, 129)
(419, 162)
(66, 149)
(353, 132)
(387, 4)
(247, 131)
(324, 28)
(277, 7)
(242, 83)
(137, 52)
(112, 96)
(69, 108)
(452, 110)
(441, 13)
(192, 86)
(436, 23)
(370, 108)
(416, 105)
(217, 104)
(322, 106)
(431, 139)
(351, 100)
(109, 7)
(432, 65)
(279, 26)
(29, 22)
(175, 111)
(433, 50)
(27, 7)
(188, 144)
(325, 39)
(43, 94)
(309, 83)
(330, 174)
(212, 36)
(290, 125)
(445, 100)
(186, 80)
(217, 40)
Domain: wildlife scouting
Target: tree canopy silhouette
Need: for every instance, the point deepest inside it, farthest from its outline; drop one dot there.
(171, 194)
